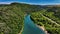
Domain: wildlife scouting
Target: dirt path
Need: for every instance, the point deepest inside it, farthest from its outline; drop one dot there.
(51, 20)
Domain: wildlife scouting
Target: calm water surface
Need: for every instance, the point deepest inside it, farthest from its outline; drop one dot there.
(30, 27)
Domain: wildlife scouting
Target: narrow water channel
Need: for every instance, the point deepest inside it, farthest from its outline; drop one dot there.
(30, 27)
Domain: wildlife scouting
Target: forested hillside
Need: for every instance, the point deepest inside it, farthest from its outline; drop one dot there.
(49, 18)
(12, 17)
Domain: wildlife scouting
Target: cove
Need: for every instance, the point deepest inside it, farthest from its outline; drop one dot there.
(30, 27)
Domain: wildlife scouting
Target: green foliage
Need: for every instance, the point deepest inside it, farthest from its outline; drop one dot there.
(48, 19)
(11, 19)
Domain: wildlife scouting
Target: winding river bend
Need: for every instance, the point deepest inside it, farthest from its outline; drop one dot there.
(30, 27)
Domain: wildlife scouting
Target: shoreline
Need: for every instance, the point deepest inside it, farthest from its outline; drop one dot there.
(42, 27)
(21, 30)
(22, 26)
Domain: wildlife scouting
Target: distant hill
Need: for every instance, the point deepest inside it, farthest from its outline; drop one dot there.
(12, 15)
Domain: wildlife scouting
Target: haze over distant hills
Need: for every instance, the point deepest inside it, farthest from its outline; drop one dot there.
(12, 17)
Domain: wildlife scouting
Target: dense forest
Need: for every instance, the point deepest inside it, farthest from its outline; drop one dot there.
(12, 17)
(49, 18)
